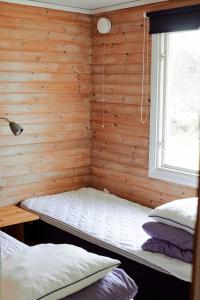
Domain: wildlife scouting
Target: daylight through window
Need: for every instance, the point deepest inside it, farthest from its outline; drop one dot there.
(174, 145)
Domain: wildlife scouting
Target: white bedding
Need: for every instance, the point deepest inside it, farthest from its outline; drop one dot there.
(51, 272)
(108, 221)
(180, 213)
(9, 245)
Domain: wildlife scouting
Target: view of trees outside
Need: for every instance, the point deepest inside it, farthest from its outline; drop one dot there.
(182, 132)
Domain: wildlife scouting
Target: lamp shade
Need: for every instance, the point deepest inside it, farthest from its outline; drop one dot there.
(15, 128)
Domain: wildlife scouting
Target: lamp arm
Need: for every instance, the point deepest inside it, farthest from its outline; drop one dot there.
(2, 118)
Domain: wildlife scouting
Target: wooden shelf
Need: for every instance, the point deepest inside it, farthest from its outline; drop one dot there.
(12, 215)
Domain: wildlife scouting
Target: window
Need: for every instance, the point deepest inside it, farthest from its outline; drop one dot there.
(175, 107)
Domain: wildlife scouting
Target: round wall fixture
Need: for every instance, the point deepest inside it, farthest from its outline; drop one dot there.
(104, 25)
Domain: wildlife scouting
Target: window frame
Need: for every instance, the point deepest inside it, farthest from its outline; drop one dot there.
(158, 75)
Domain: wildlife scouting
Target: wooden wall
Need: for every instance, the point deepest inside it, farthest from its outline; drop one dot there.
(45, 84)
(120, 149)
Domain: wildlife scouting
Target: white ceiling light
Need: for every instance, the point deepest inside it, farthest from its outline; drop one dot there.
(103, 25)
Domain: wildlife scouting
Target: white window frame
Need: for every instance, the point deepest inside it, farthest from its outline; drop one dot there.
(156, 170)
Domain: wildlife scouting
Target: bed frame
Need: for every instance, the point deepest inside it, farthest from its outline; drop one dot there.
(153, 285)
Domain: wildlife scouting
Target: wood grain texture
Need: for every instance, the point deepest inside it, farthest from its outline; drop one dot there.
(45, 85)
(119, 152)
(12, 215)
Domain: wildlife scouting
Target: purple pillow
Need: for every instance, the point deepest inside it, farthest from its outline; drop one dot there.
(173, 235)
(166, 248)
(115, 285)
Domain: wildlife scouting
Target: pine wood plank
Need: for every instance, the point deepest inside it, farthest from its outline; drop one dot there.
(46, 80)
(11, 215)
(45, 85)
(119, 150)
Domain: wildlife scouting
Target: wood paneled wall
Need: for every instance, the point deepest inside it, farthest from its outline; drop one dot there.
(120, 149)
(45, 85)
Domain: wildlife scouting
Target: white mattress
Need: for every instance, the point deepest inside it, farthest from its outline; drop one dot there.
(107, 221)
(9, 245)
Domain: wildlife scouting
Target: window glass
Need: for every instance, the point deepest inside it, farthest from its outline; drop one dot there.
(181, 101)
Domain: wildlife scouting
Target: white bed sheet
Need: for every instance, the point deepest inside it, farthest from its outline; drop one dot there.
(107, 221)
(9, 245)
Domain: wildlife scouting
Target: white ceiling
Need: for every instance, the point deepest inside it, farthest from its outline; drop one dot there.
(85, 6)
(88, 4)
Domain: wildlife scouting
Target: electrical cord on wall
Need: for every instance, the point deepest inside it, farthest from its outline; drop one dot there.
(103, 83)
(145, 69)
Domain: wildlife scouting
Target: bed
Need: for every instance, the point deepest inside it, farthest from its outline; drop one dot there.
(116, 284)
(115, 225)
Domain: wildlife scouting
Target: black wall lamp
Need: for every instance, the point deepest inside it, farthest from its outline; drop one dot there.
(14, 127)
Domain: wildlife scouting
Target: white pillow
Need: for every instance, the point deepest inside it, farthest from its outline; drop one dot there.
(179, 213)
(51, 272)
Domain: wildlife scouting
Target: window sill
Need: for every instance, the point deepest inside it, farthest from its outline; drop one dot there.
(170, 175)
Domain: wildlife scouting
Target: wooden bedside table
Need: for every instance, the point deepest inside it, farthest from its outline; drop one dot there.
(12, 219)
